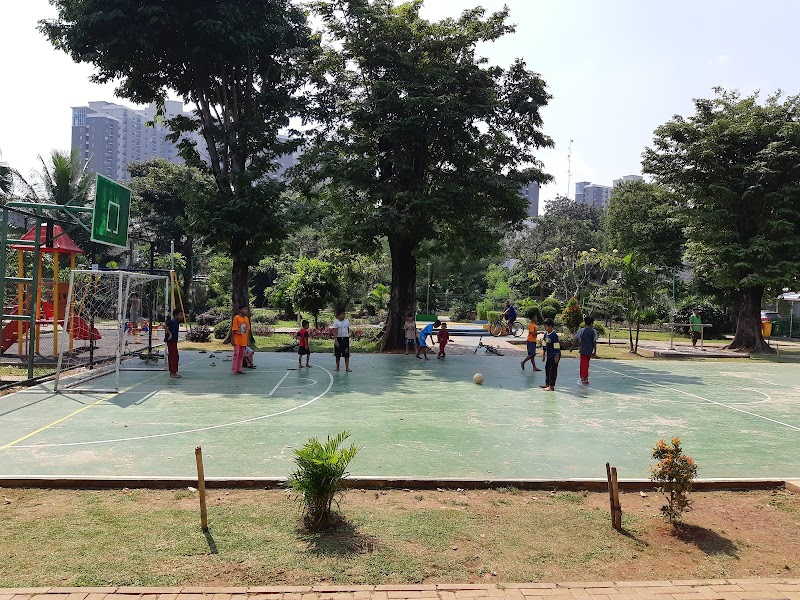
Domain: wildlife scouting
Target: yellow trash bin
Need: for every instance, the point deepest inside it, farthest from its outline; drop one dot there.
(766, 328)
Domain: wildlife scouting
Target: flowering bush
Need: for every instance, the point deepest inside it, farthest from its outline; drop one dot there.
(572, 317)
(199, 333)
(674, 472)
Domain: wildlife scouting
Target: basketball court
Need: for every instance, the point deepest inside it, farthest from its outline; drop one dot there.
(411, 418)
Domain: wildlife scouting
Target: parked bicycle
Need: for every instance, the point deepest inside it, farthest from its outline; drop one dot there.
(488, 347)
(496, 327)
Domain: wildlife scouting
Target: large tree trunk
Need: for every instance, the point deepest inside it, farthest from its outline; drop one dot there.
(403, 299)
(240, 292)
(747, 308)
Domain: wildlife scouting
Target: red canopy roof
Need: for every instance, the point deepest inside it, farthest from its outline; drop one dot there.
(62, 243)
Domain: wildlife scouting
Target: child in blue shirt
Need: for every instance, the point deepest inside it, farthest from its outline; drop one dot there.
(423, 338)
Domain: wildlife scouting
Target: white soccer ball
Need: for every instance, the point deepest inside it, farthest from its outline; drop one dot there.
(477, 378)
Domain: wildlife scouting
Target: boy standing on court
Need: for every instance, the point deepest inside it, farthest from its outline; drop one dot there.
(341, 345)
(410, 328)
(551, 354)
(304, 349)
(171, 337)
(587, 336)
(533, 331)
(240, 336)
(423, 338)
(442, 338)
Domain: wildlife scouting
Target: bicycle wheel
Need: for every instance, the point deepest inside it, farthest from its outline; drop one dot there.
(517, 329)
(496, 328)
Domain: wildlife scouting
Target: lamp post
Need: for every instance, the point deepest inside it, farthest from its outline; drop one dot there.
(428, 301)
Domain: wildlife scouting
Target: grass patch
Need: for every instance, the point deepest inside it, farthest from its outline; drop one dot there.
(152, 538)
(279, 340)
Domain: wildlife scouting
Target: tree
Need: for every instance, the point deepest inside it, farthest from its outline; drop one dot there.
(313, 285)
(165, 193)
(737, 163)
(421, 139)
(559, 252)
(6, 180)
(645, 218)
(243, 65)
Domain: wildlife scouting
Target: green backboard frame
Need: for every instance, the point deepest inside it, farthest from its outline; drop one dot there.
(110, 218)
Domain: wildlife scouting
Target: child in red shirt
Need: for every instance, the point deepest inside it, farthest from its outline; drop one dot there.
(442, 337)
(304, 349)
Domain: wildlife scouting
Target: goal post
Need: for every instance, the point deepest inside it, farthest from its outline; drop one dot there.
(109, 316)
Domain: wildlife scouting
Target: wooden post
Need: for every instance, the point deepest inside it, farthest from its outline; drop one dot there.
(201, 487)
(613, 496)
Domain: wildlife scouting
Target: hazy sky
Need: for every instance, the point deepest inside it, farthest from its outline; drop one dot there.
(616, 69)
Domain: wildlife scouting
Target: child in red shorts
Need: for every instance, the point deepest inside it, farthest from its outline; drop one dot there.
(442, 337)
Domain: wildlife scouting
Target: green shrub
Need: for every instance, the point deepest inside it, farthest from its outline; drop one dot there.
(493, 315)
(548, 311)
(222, 328)
(459, 310)
(482, 308)
(709, 312)
(318, 478)
(212, 316)
(199, 333)
(674, 474)
(261, 329)
(526, 306)
(259, 315)
(551, 301)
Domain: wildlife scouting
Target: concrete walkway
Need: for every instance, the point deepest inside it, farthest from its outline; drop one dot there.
(719, 589)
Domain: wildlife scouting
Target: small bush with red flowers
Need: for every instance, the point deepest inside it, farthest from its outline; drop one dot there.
(674, 474)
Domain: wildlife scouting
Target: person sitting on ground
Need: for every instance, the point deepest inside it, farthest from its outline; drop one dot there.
(247, 359)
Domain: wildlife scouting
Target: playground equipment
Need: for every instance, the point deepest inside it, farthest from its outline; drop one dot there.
(47, 312)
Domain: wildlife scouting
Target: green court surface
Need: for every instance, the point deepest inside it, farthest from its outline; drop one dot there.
(412, 418)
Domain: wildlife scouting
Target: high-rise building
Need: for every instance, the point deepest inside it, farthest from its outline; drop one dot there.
(592, 193)
(579, 188)
(110, 136)
(531, 193)
(625, 178)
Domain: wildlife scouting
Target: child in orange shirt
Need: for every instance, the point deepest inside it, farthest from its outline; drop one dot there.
(533, 330)
(240, 329)
(442, 337)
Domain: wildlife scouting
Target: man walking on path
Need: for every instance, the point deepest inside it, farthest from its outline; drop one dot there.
(696, 329)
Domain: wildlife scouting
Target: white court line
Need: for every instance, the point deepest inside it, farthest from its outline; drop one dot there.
(185, 431)
(277, 385)
(666, 387)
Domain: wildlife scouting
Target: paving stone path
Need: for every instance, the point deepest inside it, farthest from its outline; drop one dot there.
(718, 589)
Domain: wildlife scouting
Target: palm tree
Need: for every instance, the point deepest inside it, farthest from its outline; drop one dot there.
(63, 180)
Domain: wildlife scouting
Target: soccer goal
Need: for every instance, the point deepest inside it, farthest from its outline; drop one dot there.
(109, 316)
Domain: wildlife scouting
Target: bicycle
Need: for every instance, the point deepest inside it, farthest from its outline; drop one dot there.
(488, 347)
(496, 327)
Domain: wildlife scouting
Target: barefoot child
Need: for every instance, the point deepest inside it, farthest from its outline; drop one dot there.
(304, 349)
(533, 331)
(240, 330)
(551, 354)
(442, 338)
(410, 328)
(423, 338)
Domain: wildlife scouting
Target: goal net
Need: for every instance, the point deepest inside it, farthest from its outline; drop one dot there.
(110, 316)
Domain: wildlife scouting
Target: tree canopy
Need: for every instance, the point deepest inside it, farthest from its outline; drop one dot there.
(645, 218)
(420, 138)
(243, 65)
(736, 161)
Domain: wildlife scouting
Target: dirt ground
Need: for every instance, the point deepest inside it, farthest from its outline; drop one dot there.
(141, 537)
